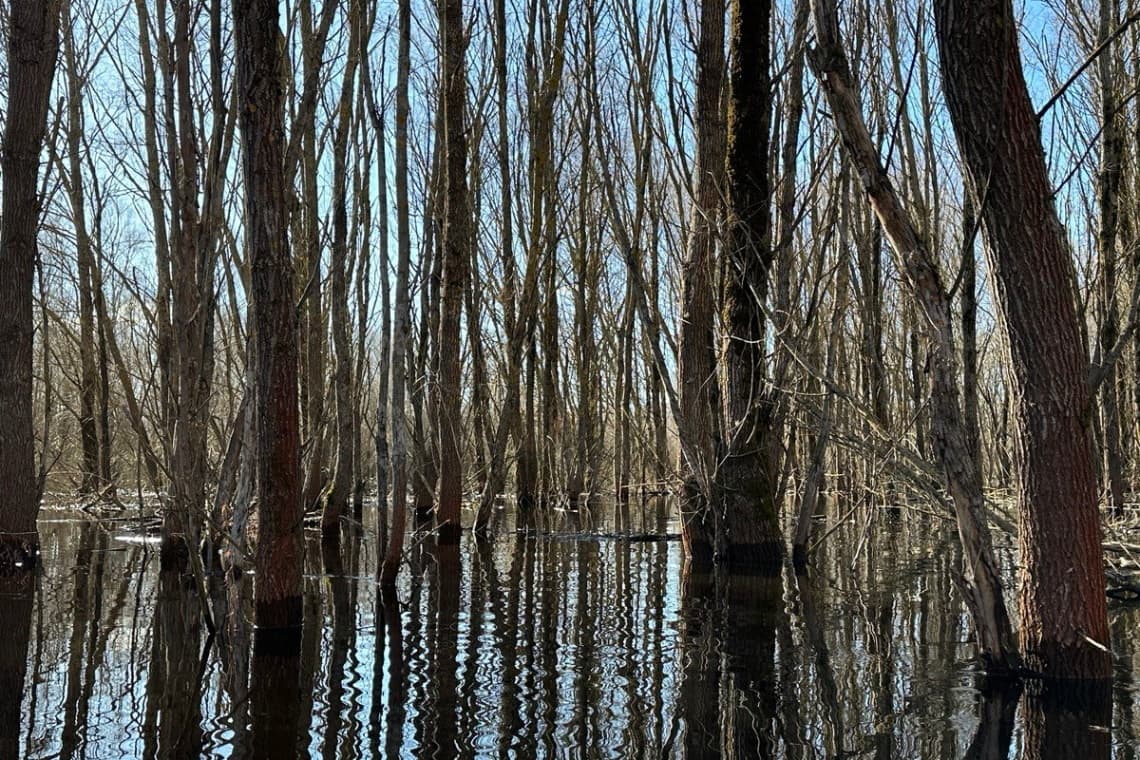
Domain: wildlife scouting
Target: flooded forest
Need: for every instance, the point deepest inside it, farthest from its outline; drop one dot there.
(570, 378)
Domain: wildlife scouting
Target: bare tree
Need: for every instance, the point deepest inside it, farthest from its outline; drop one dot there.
(33, 44)
(1064, 623)
(983, 590)
(390, 564)
(456, 262)
(338, 290)
(698, 387)
(261, 99)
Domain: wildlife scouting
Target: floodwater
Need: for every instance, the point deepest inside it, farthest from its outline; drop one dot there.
(572, 643)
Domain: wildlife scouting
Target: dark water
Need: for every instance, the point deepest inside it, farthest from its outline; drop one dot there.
(560, 645)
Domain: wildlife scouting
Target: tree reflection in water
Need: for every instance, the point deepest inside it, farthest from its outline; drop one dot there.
(17, 596)
(563, 640)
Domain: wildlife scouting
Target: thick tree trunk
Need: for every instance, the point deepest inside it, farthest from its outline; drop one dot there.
(1064, 625)
(33, 42)
(280, 551)
(983, 590)
(745, 486)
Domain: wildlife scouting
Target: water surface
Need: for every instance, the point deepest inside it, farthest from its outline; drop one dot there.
(569, 641)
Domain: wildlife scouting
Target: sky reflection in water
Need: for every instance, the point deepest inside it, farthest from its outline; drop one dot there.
(561, 645)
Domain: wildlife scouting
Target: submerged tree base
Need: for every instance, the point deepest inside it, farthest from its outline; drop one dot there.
(1072, 662)
(278, 619)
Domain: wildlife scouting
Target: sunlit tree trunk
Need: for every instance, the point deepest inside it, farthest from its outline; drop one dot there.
(280, 552)
(984, 596)
(1064, 623)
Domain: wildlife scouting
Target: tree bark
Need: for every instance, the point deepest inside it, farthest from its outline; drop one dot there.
(342, 483)
(192, 278)
(1064, 625)
(983, 590)
(745, 486)
(74, 182)
(33, 42)
(456, 263)
(402, 326)
(700, 407)
(280, 551)
(969, 300)
(1108, 181)
(307, 234)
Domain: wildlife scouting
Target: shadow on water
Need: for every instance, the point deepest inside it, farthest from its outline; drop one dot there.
(576, 633)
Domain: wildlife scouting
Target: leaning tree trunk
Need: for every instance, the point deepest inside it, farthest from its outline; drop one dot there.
(983, 589)
(1064, 624)
(261, 98)
(33, 42)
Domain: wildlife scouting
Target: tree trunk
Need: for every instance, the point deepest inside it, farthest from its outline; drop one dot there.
(745, 490)
(456, 262)
(383, 415)
(33, 42)
(307, 226)
(983, 590)
(280, 551)
(192, 278)
(1108, 192)
(402, 327)
(73, 173)
(1064, 624)
(968, 284)
(700, 408)
(342, 483)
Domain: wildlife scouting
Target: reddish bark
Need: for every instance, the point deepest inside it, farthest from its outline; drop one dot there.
(1064, 624)
(280, 552)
